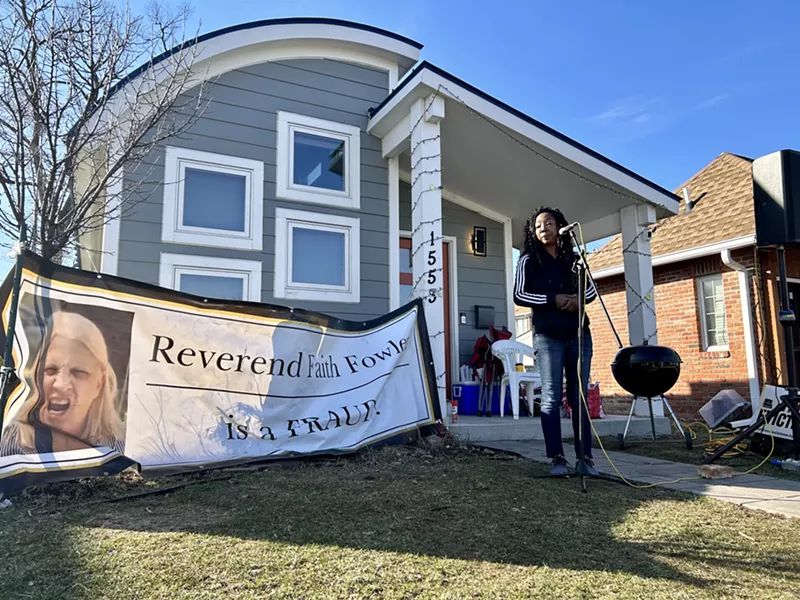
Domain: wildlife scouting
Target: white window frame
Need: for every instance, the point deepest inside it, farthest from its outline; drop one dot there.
(173, 230)
(285, 288)
(702, 308)
(174, 265)
(288, 124)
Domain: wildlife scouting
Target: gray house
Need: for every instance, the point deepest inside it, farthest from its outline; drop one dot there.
(334, 171)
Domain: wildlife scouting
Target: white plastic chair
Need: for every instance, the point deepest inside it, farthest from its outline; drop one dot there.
(510, 353)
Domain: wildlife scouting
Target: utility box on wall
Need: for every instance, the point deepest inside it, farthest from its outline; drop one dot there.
(484, 316)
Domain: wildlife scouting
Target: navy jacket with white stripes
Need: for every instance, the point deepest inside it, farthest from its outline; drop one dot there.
(537, 285)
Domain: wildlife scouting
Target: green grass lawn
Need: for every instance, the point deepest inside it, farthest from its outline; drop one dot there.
(398, 523)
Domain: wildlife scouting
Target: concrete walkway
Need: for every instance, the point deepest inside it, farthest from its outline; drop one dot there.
(778, 496)
(474, 429)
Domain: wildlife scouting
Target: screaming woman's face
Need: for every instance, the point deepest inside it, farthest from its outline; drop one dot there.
(72, 381)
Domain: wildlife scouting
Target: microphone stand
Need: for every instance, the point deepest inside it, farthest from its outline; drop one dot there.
(581, 470)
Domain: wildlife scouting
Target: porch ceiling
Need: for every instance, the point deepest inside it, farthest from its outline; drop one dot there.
(496, 165)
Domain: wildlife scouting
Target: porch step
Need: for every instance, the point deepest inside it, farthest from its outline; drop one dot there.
(471, 428)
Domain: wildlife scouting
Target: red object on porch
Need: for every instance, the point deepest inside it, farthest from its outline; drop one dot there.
(482, 354)
(592, 399)
(482, 358)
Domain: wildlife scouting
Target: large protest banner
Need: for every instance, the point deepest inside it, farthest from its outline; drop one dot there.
(112, 372)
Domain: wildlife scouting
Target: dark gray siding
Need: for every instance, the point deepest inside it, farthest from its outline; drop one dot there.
(481, 280)
(241, 121)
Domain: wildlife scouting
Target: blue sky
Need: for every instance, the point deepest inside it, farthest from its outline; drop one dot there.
(661, 88)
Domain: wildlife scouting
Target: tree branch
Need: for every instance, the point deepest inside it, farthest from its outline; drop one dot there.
(69, 116)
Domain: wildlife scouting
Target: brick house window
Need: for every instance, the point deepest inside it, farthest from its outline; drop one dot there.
(713, 318)
(523, 323)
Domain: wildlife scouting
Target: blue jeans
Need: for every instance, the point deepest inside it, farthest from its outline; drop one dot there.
(557, 359)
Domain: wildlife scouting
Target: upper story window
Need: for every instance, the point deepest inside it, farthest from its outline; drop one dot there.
(318, 161)
(713, 317)
(213, 200)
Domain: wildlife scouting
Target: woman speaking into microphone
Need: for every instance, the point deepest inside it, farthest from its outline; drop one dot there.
(547, 282)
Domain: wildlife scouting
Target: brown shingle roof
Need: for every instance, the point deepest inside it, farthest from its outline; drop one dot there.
(722, 194)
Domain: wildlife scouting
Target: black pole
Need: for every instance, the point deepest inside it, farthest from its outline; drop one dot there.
(8, 358)
(580, 467)
(787, 319)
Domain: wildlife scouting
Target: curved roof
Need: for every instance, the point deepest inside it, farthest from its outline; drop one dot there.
(372, 40)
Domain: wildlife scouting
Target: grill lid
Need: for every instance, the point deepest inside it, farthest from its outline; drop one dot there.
(646, 371)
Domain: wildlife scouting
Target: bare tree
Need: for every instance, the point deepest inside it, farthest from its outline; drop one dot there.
(86, 87)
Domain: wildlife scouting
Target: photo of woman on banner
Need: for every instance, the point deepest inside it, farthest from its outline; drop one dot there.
(74, 399)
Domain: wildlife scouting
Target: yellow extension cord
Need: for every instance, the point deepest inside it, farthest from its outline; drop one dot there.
(712, 444)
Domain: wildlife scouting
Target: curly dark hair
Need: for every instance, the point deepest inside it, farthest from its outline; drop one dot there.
(534, 246)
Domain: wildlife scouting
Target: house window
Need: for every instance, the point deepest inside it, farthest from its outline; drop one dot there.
(523, 323)
(212, 277)
(713, 318)
(318, 161)
(317, 257)
(213, 200)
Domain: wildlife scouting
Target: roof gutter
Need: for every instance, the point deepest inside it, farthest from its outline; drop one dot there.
(691, 253)
(749, 338)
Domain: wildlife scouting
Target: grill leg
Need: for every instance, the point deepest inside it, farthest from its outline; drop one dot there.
(630, 417)
(652, 417)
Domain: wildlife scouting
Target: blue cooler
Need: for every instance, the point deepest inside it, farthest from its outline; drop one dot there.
(466, 394)
(496, 401)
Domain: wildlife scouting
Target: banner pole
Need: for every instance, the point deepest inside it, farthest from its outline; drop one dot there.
(8, 359)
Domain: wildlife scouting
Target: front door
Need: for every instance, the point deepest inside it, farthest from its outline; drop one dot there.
(407, 288)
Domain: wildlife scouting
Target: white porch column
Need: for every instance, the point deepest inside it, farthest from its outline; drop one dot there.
(639, 290)
(394, 234)
(426, 225)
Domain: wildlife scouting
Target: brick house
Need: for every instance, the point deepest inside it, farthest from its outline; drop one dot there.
(523, 324)
(721, 321)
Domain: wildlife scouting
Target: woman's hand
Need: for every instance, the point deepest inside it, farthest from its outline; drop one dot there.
(567, 302)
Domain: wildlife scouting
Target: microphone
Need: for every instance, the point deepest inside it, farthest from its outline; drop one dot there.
(567, 229)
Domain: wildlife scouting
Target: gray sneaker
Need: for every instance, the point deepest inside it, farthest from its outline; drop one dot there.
(558, 466)
(590, 466)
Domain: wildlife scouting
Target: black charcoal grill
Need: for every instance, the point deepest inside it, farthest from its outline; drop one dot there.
(646, 371)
